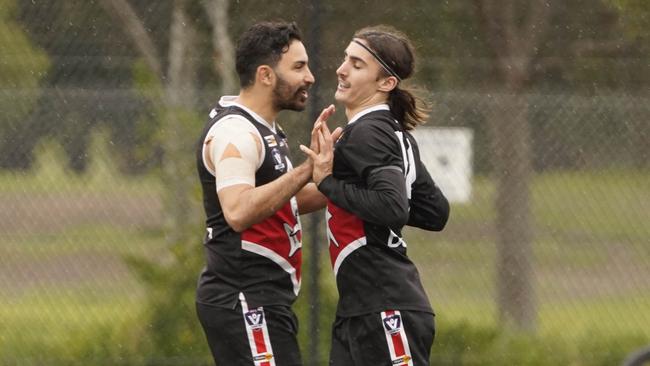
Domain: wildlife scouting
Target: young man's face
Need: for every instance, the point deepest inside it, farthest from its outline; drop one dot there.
(293, 79)
(358, 77)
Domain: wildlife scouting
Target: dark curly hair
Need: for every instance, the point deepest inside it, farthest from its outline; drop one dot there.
(263, 44)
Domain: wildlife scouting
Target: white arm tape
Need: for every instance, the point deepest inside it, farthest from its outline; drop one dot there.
(240, 135)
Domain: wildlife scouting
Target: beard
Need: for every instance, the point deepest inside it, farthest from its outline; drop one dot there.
(287, 97)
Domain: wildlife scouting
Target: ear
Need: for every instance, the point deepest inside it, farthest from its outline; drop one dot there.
(387, 84)
(265, 75)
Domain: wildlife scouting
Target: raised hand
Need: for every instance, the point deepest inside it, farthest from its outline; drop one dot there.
(320, 122)
(321, 151)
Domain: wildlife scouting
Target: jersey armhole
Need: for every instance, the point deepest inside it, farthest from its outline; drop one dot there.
(211, 133)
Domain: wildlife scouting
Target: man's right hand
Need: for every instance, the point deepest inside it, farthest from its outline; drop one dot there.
(321, 151)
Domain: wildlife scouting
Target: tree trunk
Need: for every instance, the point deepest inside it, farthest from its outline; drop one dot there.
(515, 40)
(510, 137)
(314, 228)
(122, 11)
(180, 93)
(224, 51)
(175, 103)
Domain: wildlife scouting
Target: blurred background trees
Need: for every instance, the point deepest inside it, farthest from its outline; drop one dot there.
(547, 86)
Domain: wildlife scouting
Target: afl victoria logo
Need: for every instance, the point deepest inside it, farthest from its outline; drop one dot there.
(393, 323)
(277, 159)
(255, 318)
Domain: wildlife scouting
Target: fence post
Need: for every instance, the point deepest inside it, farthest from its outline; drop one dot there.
(313, 357)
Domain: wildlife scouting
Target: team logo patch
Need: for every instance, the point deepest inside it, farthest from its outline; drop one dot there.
(393, 323)
(255, 318)
(270, 140)
(277, 157)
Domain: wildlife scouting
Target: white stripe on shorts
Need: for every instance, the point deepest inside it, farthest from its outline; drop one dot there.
(258, 334)
(398, 344)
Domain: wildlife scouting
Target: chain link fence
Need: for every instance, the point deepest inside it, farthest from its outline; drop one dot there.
(67, 233)
(84, 227)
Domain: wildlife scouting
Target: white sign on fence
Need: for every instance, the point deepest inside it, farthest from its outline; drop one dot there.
(447, 153)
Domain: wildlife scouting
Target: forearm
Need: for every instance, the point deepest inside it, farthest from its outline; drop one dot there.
(429, 206)
(310, 199)
(256, 204)
(383, 202)
(429, 212)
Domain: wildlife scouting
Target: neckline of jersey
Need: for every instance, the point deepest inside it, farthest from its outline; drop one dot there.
(229, 100)
(378, 107)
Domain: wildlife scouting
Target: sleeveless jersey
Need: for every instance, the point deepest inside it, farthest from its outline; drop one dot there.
(373, 272)
(262, 262)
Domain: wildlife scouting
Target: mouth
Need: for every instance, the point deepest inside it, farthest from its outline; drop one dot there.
(302, 95)
(342, 85)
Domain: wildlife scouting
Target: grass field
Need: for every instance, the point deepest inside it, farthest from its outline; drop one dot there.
(63, 239)
(591, 255)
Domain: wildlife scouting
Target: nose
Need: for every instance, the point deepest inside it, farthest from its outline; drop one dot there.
(341, 71)
(309, 78)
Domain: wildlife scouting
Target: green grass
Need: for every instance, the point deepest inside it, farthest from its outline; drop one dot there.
(41, 325)
(95, 238)
(62, 274)
(591, 255)
(607, 205)
(605, 315)
(57, 281)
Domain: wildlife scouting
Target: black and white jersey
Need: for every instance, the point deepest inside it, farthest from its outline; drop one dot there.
(373, 159)
(262, 262)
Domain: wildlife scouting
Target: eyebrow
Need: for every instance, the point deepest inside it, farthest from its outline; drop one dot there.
(355, 58)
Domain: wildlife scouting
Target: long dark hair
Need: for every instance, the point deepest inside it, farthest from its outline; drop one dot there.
(396, 50)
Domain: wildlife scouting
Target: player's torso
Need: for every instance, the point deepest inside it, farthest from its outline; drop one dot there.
(369, 261)
(263, 261)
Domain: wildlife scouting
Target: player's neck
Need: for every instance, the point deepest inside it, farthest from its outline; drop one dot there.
(260, 103)
(352, 110)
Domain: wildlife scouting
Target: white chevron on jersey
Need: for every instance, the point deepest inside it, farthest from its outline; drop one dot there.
(349, 248)
(275, 257)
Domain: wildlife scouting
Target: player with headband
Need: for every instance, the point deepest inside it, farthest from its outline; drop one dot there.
(376, 184)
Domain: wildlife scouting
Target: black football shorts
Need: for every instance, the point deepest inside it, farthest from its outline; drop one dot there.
(264, 336)
(389, 338)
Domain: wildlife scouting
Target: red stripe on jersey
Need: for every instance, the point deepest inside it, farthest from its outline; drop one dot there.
(274, 235)
(344, 229)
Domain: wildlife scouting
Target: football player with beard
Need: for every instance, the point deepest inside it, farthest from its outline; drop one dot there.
(252, 198)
